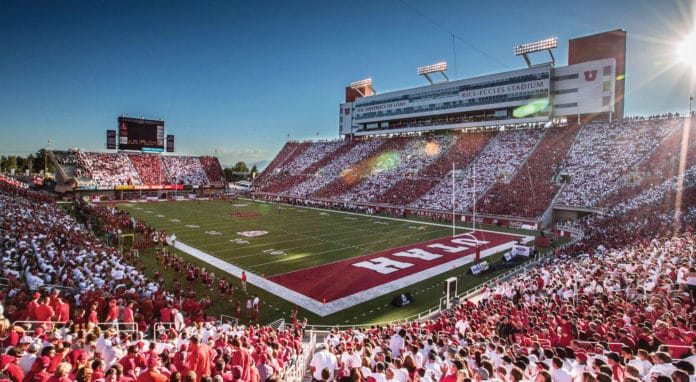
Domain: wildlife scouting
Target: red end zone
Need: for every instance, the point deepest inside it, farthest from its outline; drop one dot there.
(350, 276)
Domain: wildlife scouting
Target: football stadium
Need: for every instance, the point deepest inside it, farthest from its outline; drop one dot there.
(514, 226)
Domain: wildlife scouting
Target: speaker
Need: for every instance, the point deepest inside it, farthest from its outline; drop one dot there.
(402, 299)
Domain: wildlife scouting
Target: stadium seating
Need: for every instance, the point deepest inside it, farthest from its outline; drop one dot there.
(185, 170)
(106, 170)
(286, 154)
(519, 173)
(72, 166)
(334, 169)
(603, 152)
(150, 168)
(109, 170)
(498, 161)
(534, 186)
(464, 150)
(659, 167)
(213, 170)
(60, 261)
(391, 164)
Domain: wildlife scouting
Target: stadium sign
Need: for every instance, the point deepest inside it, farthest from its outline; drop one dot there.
(507, 90)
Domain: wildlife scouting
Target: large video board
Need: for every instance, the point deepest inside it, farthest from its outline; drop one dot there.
(140, 134)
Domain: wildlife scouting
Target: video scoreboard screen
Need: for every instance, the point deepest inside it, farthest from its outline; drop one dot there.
(140, 134)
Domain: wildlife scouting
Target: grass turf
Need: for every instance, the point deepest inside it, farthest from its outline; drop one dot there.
(297, 238)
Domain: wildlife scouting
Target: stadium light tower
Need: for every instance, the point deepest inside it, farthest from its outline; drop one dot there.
(440, 67)
(364, 87)
(537, 46)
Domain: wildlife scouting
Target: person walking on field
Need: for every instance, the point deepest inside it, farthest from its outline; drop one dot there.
(244, 280)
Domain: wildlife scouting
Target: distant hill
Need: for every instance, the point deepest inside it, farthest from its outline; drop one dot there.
(260, 165)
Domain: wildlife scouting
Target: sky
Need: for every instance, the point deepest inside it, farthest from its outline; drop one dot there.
(238, 79)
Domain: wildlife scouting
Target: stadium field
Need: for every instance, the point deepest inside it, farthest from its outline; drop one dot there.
(335, 266)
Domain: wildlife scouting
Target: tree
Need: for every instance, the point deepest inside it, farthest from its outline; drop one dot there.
(229, 174)
(241, 167)
(39, 161)
(10, 162)
(254, 172)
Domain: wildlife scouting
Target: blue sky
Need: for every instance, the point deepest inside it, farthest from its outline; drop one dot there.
(235, 78)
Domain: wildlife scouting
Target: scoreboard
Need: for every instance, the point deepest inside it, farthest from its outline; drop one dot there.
(140, 134)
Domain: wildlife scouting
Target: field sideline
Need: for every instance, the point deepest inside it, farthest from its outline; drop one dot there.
(274, 243)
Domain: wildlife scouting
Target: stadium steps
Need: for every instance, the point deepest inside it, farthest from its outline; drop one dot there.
(59, 167)
(135, 169)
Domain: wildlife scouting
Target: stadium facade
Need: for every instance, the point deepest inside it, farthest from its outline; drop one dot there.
(589, 88)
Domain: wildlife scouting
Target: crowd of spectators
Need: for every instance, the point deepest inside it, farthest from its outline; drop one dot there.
(315, 152)
(110, 169)
(392, 164)
(621, 315)
(517, 172)
(498, 161)
(658, 169)
(72, 164)
(185, 170)
(603, 152)
(462, 151)
(119, 169)
(213, 170)
(286, 154)
(534, 186)
(337, 168)
(67, 298)
(150, 168)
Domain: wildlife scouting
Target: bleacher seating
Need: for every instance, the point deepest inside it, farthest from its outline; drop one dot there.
(110, 169)
(603, 152)
(498, 161)
(54, 264)
(150, 168)
(462, 152)
(533, 188)
(336, 168)
(213, 170)
(72, 165)
(106, 170)
(185, 170)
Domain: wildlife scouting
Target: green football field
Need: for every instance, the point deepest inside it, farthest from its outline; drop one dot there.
(268, 239)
